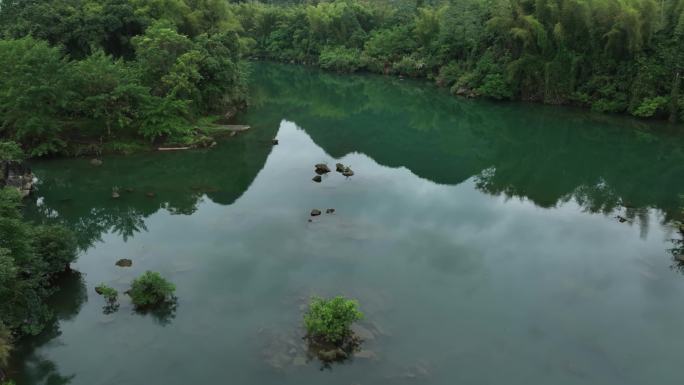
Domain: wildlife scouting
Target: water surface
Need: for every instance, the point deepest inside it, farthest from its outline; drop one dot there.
(481, 240)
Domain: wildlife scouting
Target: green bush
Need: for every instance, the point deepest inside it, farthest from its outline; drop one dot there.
(495, 86)
(10, 151)
(151, 289)
(652, 106)
(56, 246)
(29, 257)
(340, 59)
(448, 74)
(109, 293)
(331, 319)
(410, 66)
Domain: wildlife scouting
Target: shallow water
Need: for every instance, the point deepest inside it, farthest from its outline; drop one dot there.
(480, 239)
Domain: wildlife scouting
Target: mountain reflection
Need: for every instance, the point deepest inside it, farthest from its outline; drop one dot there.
(545, 154)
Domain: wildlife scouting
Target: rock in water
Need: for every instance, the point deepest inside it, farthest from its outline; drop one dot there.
(322, 169)
(347, 172)
(275, 142)
(330, 211)
(339, 167)
(96, 162)
(680, 257)
(150, 195)
(317, 179)
(125, 262)
(115, 193)
(315, 212)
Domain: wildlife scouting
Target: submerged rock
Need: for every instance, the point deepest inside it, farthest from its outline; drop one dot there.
(150, 195)
(621, 219)
(115, 193)
(322, 168)
(315, 212)
(96, 162)
(679, 258)
(362, 332)
(336, 354)
(317, 179)
(366, 354)
(330, 211)
(125, 262)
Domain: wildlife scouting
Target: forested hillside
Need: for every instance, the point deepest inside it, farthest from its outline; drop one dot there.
(609, 55)
(79, 73)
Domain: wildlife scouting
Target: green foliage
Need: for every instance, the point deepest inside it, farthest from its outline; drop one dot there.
(331, 319)
(32, 92)
(494, 86)
(30, 256)
(110, 294)
(151, 289)
(611, 55)
(340, 59)
(652, 106)
(10, 151)
(96, 71)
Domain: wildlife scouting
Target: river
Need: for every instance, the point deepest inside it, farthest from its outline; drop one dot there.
(486, 243)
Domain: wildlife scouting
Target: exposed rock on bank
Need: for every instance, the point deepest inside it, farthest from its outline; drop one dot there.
(17, 175)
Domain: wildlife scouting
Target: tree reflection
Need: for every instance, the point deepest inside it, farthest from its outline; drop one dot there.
(163, 313)
(547, 155)
(28, 366)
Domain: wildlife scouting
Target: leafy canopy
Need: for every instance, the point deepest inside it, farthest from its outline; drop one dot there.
(331, 319)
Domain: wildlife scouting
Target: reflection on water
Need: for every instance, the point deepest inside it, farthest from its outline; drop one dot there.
(483, 241)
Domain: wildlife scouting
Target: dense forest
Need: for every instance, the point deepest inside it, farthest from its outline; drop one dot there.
(76, 73)
(609, 55)
(80, 75)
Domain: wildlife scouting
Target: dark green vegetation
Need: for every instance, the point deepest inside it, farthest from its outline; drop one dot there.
(31, 257)
(609, 55)
(331, 319)
(80, 73)
(151, 289)
(109, 293)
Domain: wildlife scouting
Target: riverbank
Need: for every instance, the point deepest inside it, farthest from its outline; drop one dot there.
(500, 50)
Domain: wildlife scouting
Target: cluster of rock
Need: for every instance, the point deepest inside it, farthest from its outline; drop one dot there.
(317, 212)
(344, 170)
(17, 175)
(322, 169)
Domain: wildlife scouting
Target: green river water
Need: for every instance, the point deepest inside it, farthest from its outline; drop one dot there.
(481, 240)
